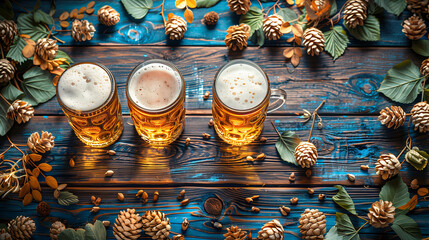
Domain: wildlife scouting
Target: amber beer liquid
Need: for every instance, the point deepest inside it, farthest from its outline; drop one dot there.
(241, 99)
(156, 99)
(88, 96)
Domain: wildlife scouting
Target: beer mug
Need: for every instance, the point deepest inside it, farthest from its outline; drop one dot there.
(88, 97)
(156, 99)
(241, 101)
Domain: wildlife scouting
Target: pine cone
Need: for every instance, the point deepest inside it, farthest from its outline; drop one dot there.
(41, 144)
(240, 7)
(175, 27)
(424, 69)
(8, 31)
(355, 13)
(4, 235)
(7, 72)
(314, 41)
(46, 49)
(306, 154)
(381, 213)
(237, 37)
(319, 4)
(387, 166)
(272, 230)
(419, 7)
(20, 111)
(312, 224)
(21, 228)
(393, 117)
(82, 30)
(128, 225)
(414, 27)
(108, 16)
(235, 233)
(211, 18)
(271, 26)
(56, 228)
(420, 116)
(43, 209)
(156, 225)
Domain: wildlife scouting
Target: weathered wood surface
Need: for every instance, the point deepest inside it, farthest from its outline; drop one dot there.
(349, 85)
(151, 29)
(343, 145)
(236, 211)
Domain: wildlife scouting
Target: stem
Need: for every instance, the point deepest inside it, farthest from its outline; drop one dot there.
(423, 91)
(162, 11)
(16, 84)
(262, 8)
(17, 3)
(2, 54)
(276, 129)
(314, 119)
(359, 229)
(47, 28)
(50, 31)
(1, 95)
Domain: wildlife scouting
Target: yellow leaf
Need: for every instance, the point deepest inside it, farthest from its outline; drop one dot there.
(181, 4)
(27, 199)
(191, 3)
(37, 195)
(28, 51)
(290, 2)
(45, 167)
(34, 183)
(290, 39)
(52, 182)
(295, 60)
(189, 15)
(298, 51)
(288, 52)
(24, 190)
(35, 172)
(298, 40)
(297, 30)
(35, 157)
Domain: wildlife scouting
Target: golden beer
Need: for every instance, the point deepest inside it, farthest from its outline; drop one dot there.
(87, 95)
(156, 100)
(241, 100)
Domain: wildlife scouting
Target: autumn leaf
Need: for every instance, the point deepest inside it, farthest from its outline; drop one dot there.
(27, 199)
(35, 157)
(181, 4)
(35, 172)
(191, 3)
(45, 167)
(410, 204)
(189, 15)
(37, 195)
(34, 183)
(24, 190)
(288, 52)
(52, 182)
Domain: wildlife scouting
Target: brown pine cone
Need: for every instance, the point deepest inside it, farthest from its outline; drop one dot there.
(387, 166)
(381, 213)
(43, 209)
(355, 13)
(156, 225)
(8, 31)
(55, 230)
(175, 27)
(4, 235)
(7, 72)
(237, 36)
(312, 224)
(108, 16)
(272, 230)
(419, 7)
(414, 28)
(240, 7)
(82, 30)
(41, 144)
(392, 117)
(45, 52)
(313, 40)
(21, 228)
(235, 233)
(20, 111)
(424, 69)
(420, 116)
(271, 26)
(128, 225)
(306, 154)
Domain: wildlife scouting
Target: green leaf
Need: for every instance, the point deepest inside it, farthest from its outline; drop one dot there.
(287, 14)
(374, 9)
(402, 82)
(406, 228)
(61, 54)
(392, 6)
(259, 37)
(137, 8)
(336, 41)
(206, 3)
(96, 231)
(42, 17)
(334, 8)
(253, 18)
(37, 86)
(71, 234)
(333, 234)
(15, 51)
(67, 198)
(343, 199)
(286, 146)
(345, 227)
(421, 47)
(6, 10)
(5, 123)
(27, 25)
(395, 191)
(370, 31)
(11, 93)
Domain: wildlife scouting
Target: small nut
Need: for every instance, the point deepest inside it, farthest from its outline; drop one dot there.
(64, 16)
(187, 141)
(206, 136)
(97, 202)
(111, 152)
(414, 184)
(95, 209)
(255, 197)
(71, 163)
(422, 191)
(181, 195)
(206, 95)
(145, 197)
(185, 224)
(294, 200)
(321, 196)
(64, 24)
(351, 177)
(121, 197)
(308, 173)
(292, 177)
(184, 202)
(310, 191)
(155, 196)
(319, 125)
(93, 198)
(89, 11)
(178, 237)
(61, 187)
(139, 193)
(255, 209)
(109, 173)
(106, 223)
(284, 210)
(249, 199)
(211, 123)
(82, 10)
(80, 16)
(364, 167)
(217, 225)
(260, 157)
(249, 158)
(263, 139)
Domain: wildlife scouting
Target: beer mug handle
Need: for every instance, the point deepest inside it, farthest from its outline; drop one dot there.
(277, 99)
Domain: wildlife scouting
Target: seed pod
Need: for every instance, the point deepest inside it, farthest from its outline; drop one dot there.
(249, 158)
(95, 209)
(64, 24)
(106, 223)
(181, 195)
(263, 139)
(217, 225)
(422, 192)
(310, 191)
(260, 157)
(292, 177)
(155, 196)
(145, 197)
(64, 16)
(56, 194)
(321, 196)
(255, 209)
(89, 11)
(184, 202)
(121, 197)
(364, 167)
(211, 123)
(109, 173)
(187, 141)
(351, 177)
(82, 10)
(414, 184)
(185, 224)
(111, 152)
(294, 200)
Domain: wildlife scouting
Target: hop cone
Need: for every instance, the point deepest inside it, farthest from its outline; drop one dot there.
(237, 36)
(355, 13)
(108, 16)
(272, 230)
(235, 233)
(55, 230)
(417, 158)
(271, 26)
(419, 7)
(306, 154)
(392, 117)
(424, 69)
(312, 224)
(381, 213)
(41, 144)
(414, 27)
(7, 71)
(175, 27)
(156, 225)
(8, 31)
(20, 111)
(82, 30)
(387, 166)
(313, 41)
(128, 225)
(239, 6)
(21, 228)
(420, 116)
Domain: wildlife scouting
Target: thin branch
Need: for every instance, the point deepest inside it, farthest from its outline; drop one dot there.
(260, 4)
(1, 95)
(1, 48)
(162, 11)
(276, 129)
(314, 119)
(423, 91)
(359, 229)
(17, 3)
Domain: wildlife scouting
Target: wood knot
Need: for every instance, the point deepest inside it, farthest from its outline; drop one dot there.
(213, 206)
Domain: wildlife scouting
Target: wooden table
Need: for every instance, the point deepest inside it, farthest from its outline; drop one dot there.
(351, 135)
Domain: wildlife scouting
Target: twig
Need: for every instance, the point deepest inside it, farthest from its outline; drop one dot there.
(276, 129)
(16, 84)
(423, 91)
(1, 95)
(314, 119)
(2, 54)
(359, 229)
(17, 3)
(262, 8)
(47, 28)
(162, 11)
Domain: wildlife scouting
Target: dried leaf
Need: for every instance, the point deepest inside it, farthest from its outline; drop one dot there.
(34, 183)
(62, 187)
(410, 204)
(422, 192)
(67, 198)
(191, 3)
(295, 60)
(181, 4)
(28, 51)
(45, 167)
(52, 182)
(35, 172)
(288, 52)
(189, 15)
(298, 51)
(24, 190)
(27, 199)
(290, 2)
(286, 28)
(35, 157)
(297, 30)
(290, 39)
(298, 40)
(37, 195)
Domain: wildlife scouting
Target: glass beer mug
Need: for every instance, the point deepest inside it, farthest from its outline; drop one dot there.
(241, 101)
(156, 99)
(88, 97)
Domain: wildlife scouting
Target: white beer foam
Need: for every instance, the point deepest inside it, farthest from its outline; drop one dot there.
(241, 86)
(155, 86)
(84, 87)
